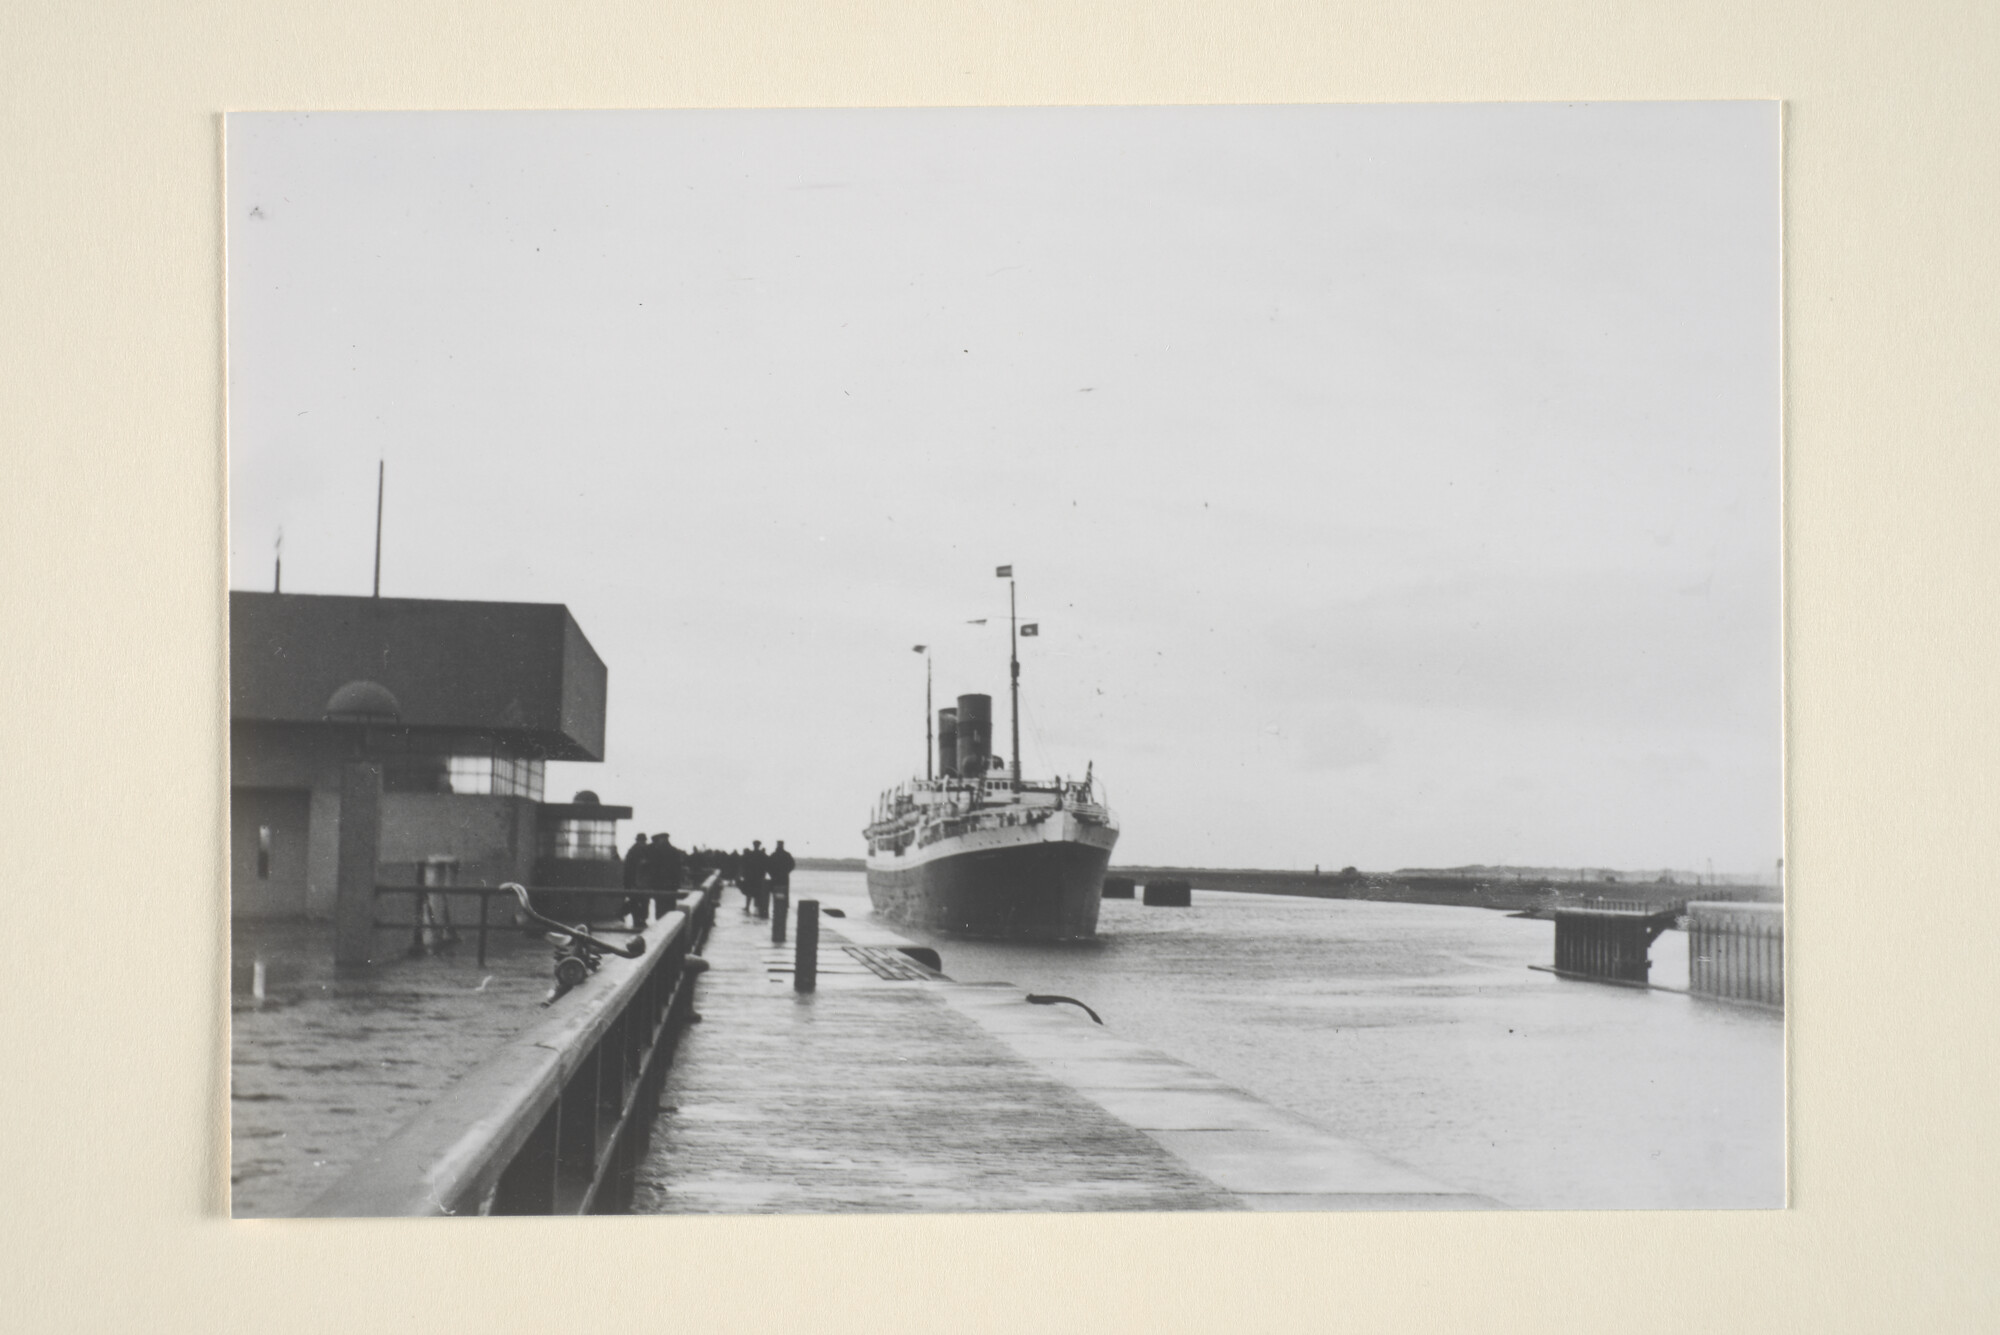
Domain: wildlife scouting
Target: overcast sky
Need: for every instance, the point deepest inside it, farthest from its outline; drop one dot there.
(1393, 486)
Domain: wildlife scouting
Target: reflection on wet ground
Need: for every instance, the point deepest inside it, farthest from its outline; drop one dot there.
(332, 1061)
(1421, 1032)
(1418, 1031)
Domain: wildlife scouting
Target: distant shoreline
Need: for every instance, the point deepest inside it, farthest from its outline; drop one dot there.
(1525, 894)
(1510, 894)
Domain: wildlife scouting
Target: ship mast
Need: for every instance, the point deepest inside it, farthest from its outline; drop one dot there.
(1013, 685)
(925, 650)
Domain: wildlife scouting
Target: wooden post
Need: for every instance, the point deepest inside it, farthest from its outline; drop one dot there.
(805, 957)
(780, 901)
(359, 843)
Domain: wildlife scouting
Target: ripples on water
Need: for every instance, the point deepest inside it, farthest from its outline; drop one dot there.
(1421, 1031)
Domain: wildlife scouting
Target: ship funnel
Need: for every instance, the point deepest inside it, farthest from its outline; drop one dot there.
(975, 735)
(947, 735)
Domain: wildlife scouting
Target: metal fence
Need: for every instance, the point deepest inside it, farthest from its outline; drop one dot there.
(1737, 952)
(435, 922)
(557, 1120)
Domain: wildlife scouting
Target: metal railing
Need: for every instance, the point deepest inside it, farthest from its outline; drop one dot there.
(488, 921)
(1648, 908)
(557, 1120)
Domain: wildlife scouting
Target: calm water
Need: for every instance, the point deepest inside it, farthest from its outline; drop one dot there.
(1422, 1032)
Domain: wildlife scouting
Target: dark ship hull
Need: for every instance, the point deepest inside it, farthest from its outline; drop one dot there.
(1032, 889)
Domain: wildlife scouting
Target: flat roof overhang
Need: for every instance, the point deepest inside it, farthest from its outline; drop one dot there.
(522, 672)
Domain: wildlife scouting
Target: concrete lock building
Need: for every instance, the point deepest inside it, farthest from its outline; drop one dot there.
(457, 705)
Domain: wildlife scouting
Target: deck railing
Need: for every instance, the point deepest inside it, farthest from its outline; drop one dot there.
(1646, 908)
(557, 1120)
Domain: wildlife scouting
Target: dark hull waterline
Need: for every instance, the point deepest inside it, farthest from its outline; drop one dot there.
(1043, 891)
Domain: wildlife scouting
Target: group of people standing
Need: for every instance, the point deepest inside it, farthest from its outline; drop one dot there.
(658, 866)
(655, 866)
(761, 874)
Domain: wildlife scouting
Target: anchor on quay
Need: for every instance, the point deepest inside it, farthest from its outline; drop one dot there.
(578, 953)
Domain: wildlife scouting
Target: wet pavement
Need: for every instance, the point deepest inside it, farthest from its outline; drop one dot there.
(1422, 1032)
(871, 1095)
(890, 1089)
(331, 1062)
(1259, 1052)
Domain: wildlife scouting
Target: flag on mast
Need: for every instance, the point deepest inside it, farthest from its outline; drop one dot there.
(1004, 572)
(1030, 628)
(918, 648)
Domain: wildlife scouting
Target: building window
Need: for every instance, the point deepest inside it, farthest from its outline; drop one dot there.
(491, 776)
(589, 840)
(469, 774)
(265, 838)
(518, 778)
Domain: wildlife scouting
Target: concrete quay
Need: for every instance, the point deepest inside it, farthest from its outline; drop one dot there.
(891, 1088)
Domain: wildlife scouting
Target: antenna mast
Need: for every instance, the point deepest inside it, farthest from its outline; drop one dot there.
(380, 467)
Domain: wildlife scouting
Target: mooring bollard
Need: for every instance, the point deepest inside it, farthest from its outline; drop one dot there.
(805, 956)
(780, 901)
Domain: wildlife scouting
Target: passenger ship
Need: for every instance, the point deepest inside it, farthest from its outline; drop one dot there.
(971, 851)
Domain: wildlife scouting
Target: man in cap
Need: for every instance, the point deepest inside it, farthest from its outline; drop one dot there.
(756, 868)
(666, 862)
(781, 865)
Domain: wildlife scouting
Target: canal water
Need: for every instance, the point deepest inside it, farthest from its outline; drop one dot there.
(1422, 1032)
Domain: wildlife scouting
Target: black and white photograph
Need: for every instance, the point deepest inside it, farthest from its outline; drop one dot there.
(1132, 659)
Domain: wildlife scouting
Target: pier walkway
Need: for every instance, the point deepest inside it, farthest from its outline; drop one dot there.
(891, 1088)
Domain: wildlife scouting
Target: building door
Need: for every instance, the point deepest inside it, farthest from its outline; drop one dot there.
(267, 852)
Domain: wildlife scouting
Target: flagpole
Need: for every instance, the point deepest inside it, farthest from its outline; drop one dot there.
(1014, 685)
(930, 748)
